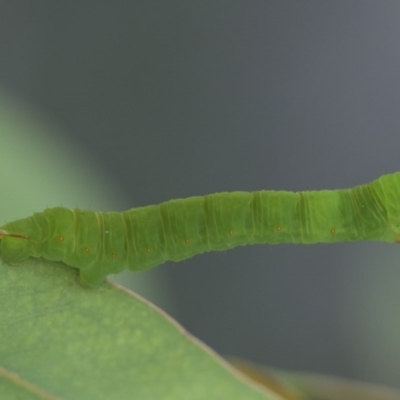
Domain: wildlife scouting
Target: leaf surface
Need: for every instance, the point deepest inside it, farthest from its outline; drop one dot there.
(106, 343)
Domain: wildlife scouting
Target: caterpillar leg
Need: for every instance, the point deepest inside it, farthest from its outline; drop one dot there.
(90, 277)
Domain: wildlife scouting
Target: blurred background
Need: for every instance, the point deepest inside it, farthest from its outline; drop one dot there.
(110, 105)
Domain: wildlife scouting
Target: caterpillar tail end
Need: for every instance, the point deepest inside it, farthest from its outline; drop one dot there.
(14, 249)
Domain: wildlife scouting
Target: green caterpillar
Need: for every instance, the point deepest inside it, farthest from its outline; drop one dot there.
(102, 243)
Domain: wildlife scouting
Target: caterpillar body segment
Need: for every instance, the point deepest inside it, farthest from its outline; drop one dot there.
(101, 243)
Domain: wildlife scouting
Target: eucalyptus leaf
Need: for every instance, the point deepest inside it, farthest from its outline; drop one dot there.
(106, 343)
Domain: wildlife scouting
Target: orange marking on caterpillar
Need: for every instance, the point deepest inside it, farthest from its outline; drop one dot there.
(87, 249)
(61, 238)
(333, 231)
(231, 232)
(148, 250)
(113, 255)
(187, 240)
(278, 228)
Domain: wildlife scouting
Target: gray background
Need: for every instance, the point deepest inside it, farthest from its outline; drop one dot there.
(181, 98)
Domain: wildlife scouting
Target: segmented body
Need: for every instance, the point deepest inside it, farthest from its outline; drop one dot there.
(100, 243)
